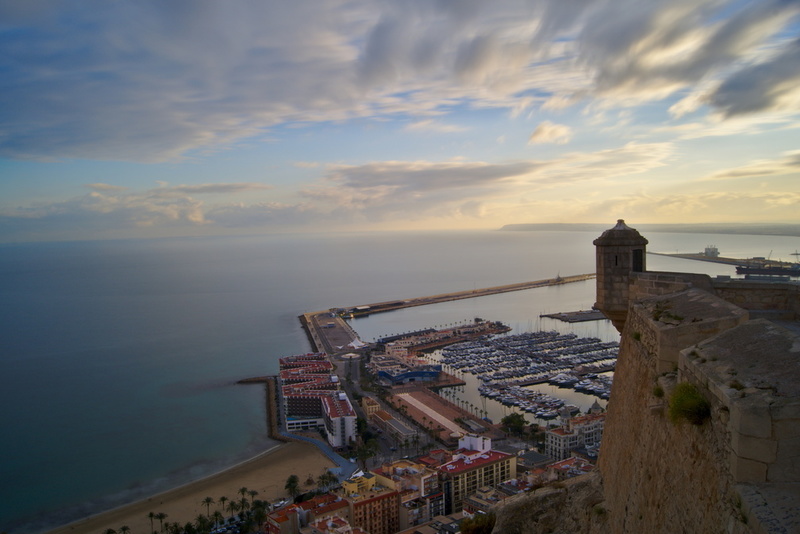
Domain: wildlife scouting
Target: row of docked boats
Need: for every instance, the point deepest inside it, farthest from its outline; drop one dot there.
(541, 405)
(506, 364)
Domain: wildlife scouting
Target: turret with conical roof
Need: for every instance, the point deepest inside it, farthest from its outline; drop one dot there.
(619, 251)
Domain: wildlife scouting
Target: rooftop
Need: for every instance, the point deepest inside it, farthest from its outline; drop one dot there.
(465, 463)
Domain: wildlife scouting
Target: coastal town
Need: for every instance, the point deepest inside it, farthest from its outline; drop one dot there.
(409, 457)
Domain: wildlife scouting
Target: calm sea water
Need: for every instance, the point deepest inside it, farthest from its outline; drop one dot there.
(119, 358)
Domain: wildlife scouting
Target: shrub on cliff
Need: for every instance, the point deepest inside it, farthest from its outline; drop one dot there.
(687, 403)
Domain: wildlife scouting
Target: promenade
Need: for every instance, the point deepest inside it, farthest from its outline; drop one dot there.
(328, 331)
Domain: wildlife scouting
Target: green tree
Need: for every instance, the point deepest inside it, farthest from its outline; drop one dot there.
(152, 516)
(253, 494)
(366, 451)
(124, 529)
(292, 486)
(109, 531)
(514, 423)
(327, 479)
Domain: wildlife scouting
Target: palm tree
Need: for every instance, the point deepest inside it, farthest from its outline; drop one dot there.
(292, 486)
(259, 516)
(218, 518)
(208, 501)
(244, 504)
(161, 516)
(222, 500)
(253, 494)
(124, 529)
(152, 515)
(202, 523)
(109, 531)
(233, 507)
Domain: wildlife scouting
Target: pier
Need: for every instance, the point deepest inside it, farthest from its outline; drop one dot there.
(576, 316)
(328, 331)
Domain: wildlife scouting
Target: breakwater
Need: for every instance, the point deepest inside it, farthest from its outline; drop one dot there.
(328, 331)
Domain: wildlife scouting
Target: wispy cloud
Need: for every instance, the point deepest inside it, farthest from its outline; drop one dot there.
(787, 165)
(199, 76)
(547, 132)
(429, 125)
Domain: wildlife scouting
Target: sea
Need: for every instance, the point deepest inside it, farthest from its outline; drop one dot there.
(119, 359)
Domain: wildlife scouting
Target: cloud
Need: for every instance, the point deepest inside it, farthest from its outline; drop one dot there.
(211, 189)
(644, 51)
(415, 190)
(788, 164)
(106, 187)
(717, 207)
(160, 81)
(773, 85)
(547, 132)
(110, 207)
(430, 125)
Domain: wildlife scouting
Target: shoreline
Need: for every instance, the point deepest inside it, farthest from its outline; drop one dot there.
(266, 473)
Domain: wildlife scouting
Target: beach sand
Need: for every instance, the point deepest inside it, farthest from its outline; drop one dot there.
(266, 473)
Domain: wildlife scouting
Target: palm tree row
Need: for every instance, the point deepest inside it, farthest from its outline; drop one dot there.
(254, 511)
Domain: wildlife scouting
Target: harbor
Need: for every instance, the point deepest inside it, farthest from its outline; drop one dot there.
(749, 267)
(506, 365)
(328, 330)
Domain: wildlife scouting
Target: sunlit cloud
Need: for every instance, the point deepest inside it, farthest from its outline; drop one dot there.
(716, 207)
(430, 125)
(786, 165)
(547, 132)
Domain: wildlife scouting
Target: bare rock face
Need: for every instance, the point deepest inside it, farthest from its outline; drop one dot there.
(575, 505)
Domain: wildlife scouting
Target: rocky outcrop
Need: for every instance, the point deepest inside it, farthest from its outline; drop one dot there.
(575, 505)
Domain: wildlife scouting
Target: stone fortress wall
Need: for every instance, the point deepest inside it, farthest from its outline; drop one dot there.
(738, 470)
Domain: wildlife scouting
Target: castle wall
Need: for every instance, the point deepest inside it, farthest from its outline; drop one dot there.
(660, 476)
(729, 465)
(761, 296)
(736, 472)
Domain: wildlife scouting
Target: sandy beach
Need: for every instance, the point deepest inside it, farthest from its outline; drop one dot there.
(266, 473)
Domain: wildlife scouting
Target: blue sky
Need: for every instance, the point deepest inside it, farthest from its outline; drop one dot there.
(193, 117)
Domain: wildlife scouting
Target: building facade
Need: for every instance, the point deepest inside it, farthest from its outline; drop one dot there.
(581, 431)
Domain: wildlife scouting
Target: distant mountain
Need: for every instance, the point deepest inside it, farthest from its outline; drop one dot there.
(709, 228)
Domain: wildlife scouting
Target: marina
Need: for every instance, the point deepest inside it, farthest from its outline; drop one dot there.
(506, 365)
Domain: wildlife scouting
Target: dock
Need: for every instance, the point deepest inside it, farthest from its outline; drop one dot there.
(329, 332)
(576, 316)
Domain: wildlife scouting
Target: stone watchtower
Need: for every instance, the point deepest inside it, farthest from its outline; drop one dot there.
(619, 251)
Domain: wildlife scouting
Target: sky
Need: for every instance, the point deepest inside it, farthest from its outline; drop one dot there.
(197, 117)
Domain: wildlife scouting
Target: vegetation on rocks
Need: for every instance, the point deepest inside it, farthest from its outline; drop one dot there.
(688, 404)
